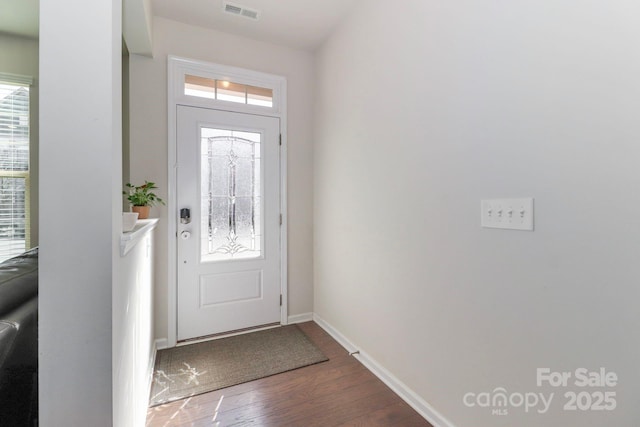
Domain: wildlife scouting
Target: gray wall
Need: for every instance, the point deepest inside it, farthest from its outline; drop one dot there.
(425, 108)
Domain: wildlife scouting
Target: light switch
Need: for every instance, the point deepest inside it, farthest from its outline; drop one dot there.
(513, 214)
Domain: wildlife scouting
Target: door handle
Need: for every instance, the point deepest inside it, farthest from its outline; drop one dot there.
(185, 216)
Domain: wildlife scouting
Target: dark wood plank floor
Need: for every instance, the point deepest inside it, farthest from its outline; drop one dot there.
(340, 392)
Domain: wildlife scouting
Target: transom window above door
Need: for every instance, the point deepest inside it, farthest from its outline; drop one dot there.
(222, 87)
(225, 90)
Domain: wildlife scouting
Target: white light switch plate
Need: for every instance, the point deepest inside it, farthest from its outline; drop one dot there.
(513, 214)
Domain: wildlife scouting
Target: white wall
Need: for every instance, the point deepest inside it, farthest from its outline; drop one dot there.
(133, 340)
(148, 149)
(80, 129)
(19, 55)
(425, 108)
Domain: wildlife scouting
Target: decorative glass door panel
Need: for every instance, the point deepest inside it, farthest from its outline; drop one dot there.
(230, 195)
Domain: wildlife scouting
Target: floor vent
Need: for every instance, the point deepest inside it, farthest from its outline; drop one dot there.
(238, 10)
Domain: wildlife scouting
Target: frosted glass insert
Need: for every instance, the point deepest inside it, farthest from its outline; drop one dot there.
(230, 195)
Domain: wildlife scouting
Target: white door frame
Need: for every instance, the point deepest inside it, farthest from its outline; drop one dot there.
(177, 68)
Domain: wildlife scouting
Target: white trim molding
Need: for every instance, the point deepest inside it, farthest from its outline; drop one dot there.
(161, 344)
(401, 389)
(177, 69)
(152, 365)
(130, 238)
(300, 318)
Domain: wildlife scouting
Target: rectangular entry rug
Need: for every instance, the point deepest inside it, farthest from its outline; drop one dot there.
(193, 369)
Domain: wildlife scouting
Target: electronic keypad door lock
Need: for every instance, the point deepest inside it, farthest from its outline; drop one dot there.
(185, 216)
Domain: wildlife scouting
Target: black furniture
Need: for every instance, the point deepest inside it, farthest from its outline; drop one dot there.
(19, 340)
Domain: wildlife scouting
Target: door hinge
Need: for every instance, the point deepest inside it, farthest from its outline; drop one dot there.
(280, 219)
(280, 300)
(280, 139)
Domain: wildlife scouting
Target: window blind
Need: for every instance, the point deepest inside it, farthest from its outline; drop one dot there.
(14, 169)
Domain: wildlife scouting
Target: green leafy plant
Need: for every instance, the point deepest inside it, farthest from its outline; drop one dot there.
(142, 195)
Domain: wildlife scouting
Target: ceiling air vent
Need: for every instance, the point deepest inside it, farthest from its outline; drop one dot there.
(235, 9)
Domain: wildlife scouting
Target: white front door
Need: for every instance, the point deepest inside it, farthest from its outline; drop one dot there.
(228, 174)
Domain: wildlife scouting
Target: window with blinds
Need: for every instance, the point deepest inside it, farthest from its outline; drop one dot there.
(14, 169)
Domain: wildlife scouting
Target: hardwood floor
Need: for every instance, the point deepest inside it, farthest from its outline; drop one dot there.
(340, 392)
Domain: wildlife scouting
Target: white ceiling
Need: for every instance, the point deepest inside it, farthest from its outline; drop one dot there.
(19, 17)
(302, 24)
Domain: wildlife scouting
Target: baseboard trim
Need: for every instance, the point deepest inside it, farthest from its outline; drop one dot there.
(416, 402)
(150, 369)
(300, 318)
(161, 343)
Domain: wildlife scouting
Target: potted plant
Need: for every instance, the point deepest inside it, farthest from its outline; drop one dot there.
(142, 198)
